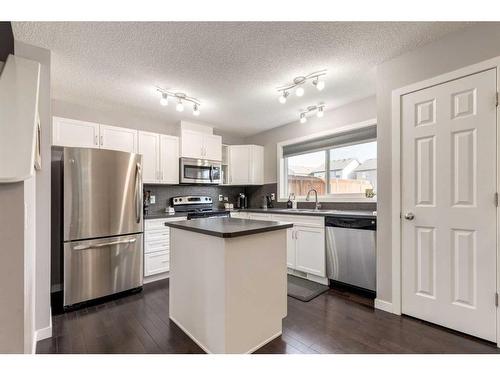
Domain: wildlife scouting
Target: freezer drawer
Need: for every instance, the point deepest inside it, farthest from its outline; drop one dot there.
(97, 268)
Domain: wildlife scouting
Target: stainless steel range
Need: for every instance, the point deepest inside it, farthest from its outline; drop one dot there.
(196, 207)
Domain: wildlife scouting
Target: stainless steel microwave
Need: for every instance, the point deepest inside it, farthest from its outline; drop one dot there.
(199, 171)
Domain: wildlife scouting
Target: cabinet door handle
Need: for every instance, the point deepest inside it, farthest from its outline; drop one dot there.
(96, 141)
(102, 143)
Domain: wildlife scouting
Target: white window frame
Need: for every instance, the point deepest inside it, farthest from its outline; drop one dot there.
(281, 170)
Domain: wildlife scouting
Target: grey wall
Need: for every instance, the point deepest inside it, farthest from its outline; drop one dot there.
(468, 46)
(12, 268)
(358, 111)
(127, 119)
(42, 301)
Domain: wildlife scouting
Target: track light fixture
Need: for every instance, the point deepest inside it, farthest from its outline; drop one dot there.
(181, 98)
(319, 109)
(298, 83)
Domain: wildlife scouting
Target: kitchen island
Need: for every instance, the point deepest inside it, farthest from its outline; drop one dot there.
(228, 283)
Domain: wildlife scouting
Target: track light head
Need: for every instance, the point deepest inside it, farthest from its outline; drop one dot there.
(164, 99)
(303, 118)
(179, 107)
(282, 98)
(320, 112)
(299, 91)
(320, 85)
(196, 110)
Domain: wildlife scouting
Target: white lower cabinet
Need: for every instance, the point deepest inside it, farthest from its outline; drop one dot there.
(305, 242)
(310, 250)
(157, 248)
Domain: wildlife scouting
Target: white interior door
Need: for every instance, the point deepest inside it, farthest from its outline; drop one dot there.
(449, 185)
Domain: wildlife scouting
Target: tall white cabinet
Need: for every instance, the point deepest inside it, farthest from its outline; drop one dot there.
(160, 158)
(246, 165)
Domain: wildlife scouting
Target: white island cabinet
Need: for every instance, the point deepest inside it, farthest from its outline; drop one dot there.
(228, 283)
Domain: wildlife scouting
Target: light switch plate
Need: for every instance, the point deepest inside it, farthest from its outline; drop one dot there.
(152, 199)
(221, 198)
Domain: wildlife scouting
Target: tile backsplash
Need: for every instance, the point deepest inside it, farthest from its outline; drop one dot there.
(163, 193)
(255, 195)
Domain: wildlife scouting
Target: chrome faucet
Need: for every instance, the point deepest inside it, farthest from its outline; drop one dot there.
(317, 205)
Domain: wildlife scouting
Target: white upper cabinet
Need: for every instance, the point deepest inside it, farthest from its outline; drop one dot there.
(119, 139)
(169, 159)
(160, 158)
(192, 144)
(74, 133)
(246, 165)
(198, 145)
(213, 147)
(149, 147)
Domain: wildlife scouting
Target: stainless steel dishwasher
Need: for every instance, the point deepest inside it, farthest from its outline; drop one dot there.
(351, 250)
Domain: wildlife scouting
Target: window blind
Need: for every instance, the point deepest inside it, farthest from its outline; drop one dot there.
(332, 141)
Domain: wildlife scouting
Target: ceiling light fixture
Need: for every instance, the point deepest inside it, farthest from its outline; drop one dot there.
(319, 109)
(179, 107)
(196, 110)
(282, 98)
(181, 98)
(298, 83)
(164, 99)
(303, 118)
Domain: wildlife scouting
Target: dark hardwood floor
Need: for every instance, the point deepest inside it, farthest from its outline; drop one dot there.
(335, 322)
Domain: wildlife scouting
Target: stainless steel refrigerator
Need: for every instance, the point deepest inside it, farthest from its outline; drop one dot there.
(103, 223)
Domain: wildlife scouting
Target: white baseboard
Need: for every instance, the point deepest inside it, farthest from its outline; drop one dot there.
(151, 279)
(383, 305)
(42, 333)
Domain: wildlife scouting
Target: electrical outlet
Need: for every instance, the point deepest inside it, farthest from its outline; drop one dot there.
(152, 199)
(226, 199)
(221, 198)
(273, 196)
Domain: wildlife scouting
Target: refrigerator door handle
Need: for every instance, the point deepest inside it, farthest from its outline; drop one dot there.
(137, 193)
(86, 247)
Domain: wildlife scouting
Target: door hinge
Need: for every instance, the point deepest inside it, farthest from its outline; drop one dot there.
(496, 199)
(496, 299)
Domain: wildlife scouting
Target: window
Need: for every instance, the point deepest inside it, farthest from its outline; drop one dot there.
(339, 166)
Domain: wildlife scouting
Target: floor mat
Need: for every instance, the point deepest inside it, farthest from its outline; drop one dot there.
(304, 290)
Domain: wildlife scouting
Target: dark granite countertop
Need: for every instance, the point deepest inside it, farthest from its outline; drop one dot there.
(165, 215)
(312, 212)
(229, 227)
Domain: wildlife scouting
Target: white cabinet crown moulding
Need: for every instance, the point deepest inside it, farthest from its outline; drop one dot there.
(19, 130)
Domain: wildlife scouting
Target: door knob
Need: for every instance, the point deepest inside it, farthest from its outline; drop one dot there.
(409, 216)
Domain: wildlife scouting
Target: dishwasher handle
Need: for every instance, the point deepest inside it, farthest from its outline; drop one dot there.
(351, 223)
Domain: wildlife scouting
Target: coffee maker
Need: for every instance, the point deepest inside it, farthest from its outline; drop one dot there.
(241, 201)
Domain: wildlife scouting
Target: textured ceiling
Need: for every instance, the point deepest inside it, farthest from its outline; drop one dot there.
(233, 67)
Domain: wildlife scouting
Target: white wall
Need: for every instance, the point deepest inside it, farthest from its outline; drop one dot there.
(124, 118)
(42, 299)
(351, 113)
(466, 47)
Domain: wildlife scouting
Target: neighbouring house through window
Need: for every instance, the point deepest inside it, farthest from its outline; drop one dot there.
(342, 165)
